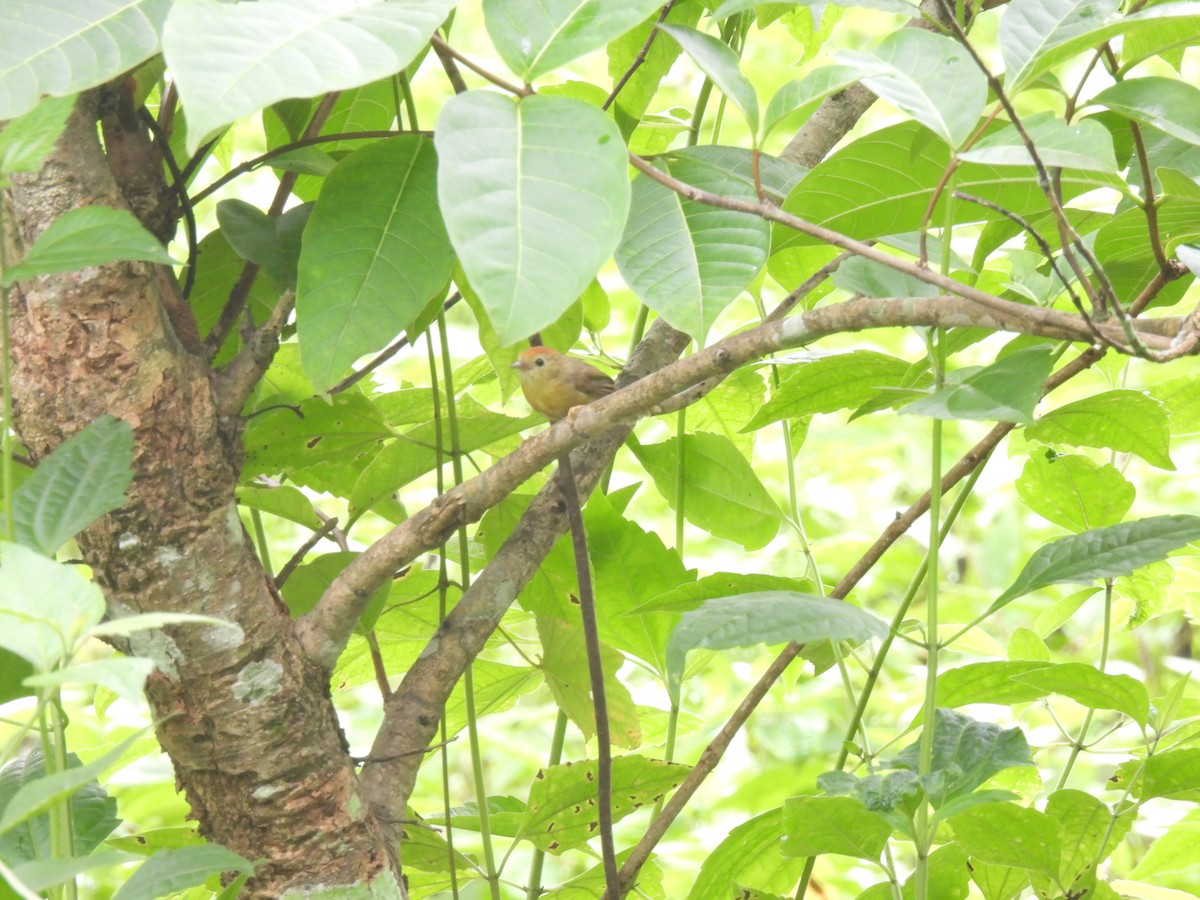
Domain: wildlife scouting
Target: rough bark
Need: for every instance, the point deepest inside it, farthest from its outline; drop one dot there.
(245, 718)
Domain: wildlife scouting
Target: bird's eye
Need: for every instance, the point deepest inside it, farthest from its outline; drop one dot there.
(539, 362)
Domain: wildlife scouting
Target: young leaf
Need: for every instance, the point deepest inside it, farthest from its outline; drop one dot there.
(1005, 391)
(537, 37)
(53, 49)
(721, 492)
(928, 76)
(169, 871)
(688, 260)
(1074, 492)
(88, 236)
(561, 813)
(765, 617)
(1102, 553)
(84, 478)
(375, 253)
(1168, 104)
(843, 825)
(26, 141)
(720, 64)
(535, 196)
(314, 48)
(1122, 420)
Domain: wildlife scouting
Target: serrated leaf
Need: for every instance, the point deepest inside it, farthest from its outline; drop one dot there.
(375, 254)
(765, 617)
(1005, 391)
(225, 70)
(535, 196)
(1102, 553)
(84, 478)
(61, 49)
(720, 64)
(26, 141)
(168, 871)
(841, 825)
(828, 384)
(1122, 420)
(534, 38)
(561, 813)
(1091, 688)
(1074, 492)
(928, 76)
(88, 236)
(1168, 104)
(686, 260)
(721, 492)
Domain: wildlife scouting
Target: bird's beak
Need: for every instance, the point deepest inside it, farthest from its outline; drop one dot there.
(517, 365)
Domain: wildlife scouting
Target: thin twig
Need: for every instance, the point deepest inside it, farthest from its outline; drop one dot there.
(641, 56)
(315, 538)
(185, 203)
(479, 70)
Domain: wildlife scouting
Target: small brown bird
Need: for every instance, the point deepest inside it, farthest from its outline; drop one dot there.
(553, 383)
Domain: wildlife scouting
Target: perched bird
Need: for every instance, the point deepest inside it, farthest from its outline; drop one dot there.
(553, 383)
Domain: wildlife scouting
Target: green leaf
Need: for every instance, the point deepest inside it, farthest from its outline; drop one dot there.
(1168, 104)
(62, 49)
(1123, 247)
(1030, 29)
(1005, 834)
(966, 753)
(283, 501)
(1091, 688)
(998, 882)
(314, 48)
(928, 76)
(720, 64)
(535, 196)
(44, 606)
(721, 492)
(842, 825)
(635, 97)
(686, 260)
(750, 854)
(1005, 391)
(88, 236)
(1086, 839)
(825, 385)
(1122, 420)
(1174, 774)
(375, 253)
(1085, 144)
(535, 38)
(720, 584)
(168, 871)
(561, 813)
(271, 242)
(565, 665)
(987, 682)
(26, 141)
(84, 478)
(1102, 553)
(765, 617)
(1170, 861)
(811, 89)
(497, 687)
(39, 794)
(1074, 492)
(41, 874)
(123, 675)
(309, 581)
(859, 275)
(1181, 397)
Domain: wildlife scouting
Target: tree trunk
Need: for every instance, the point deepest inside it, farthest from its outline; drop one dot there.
(245, 718)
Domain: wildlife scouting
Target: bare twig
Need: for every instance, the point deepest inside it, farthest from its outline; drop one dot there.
(641, 56)
(440, 45)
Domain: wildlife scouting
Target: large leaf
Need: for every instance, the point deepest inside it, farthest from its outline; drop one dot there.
(272, 242)
(85, 477)
(88, 236)
(928, 76)
(535, 195)
(561, 812)
(1170, 105)
(812, 88)
(1085, 144)
(750, 854)
(765, 617)
(62, 48)
(537, 36)
(688, 260)
(1091, 688)
(225, 66)
(1122, 420)
(842, 825)
(720, 64)
(1074, 491)
(375, 253)
(1123, 247)
(1102, 553)
(1009, 835)
(169, 871)
(721, 492)
(44, 606)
